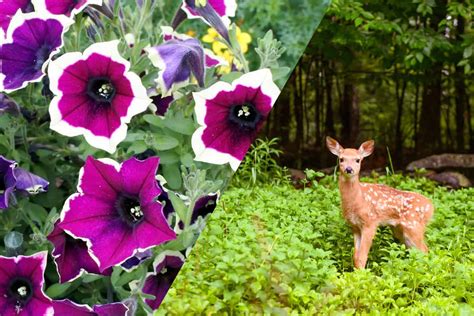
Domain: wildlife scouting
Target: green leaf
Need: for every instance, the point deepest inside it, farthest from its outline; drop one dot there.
(154, 120)
(164, 142)
(172, 174)
(57, 290)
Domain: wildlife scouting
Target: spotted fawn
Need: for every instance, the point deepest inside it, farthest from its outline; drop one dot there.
(366, 206)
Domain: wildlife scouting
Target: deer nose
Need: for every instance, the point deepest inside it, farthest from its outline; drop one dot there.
(349, 170)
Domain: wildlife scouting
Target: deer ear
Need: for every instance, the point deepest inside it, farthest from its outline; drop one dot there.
(333, 146)
(366, 148)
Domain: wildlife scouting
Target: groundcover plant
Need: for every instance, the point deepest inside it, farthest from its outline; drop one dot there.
(119, 130)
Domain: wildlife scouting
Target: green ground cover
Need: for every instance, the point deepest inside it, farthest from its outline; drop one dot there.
(275, 250)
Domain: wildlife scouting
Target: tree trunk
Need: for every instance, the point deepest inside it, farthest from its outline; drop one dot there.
(329, 119)
(349, 111)
(430, 118)
(400, 94)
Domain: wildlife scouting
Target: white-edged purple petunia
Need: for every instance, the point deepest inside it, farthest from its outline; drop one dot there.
(177, 60)
(9, 106)
(166, 267)
(211, 59)
(71, 256)
(63, 7)
(95, 95)
(69, 308)
(116, 210)
(223, 8)
(230, 116)
(204, 206)
(14, 179)
(31, 40)
(21, 286)
(8, 8)
(7, 181)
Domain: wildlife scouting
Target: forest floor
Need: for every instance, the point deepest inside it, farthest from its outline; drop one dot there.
(276, 250)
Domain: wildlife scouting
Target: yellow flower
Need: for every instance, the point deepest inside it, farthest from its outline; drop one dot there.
(191, 33)
(220, 49)
(244, 40)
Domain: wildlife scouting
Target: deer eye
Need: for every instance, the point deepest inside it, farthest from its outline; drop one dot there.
(357, 160)
(341, 159)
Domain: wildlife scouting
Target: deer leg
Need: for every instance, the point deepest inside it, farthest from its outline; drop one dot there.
(366, 237)
(414, 237)
(356, 234)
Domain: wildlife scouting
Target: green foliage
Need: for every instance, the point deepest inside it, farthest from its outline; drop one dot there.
(276, 250)
(260, 165)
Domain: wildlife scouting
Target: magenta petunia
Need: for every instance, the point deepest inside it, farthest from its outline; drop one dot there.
(71, 256)
(224, 9)
(31, 40)
(116, 210)
(64, 7)
(95, 95)
(69, 308)
(166, 267)
(21, 286)
(8, 8)
(230, 116)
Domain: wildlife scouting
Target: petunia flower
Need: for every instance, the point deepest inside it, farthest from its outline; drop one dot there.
(69, 308)
(8, 8)
(7, 105)
(21, 286)
(211, 59)
(29, 183)
(7, 181)
(230, 116)
(14, 179)
(64, 7)
(177, 60)
(31, 40)
(95, 95)
(116, 210)
(223, 8)
(204, 206)
(71, 256)
(166, 267)
(133, 262)
(161, 104)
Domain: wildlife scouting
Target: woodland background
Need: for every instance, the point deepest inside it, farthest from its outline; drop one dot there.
(395, 71)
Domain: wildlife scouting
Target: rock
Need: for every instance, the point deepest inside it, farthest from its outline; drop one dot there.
(452, 179)
(437, 162)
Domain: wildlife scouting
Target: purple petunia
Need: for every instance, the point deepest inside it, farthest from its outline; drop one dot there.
(21, 286)
(8, 8)
(231, 115)
(64, 7)
(223, 8)
(166, 266)
(96, 95)
(71, 256)
(177, 60)
(69, 308)
(204, 206)
(31, 40)
(7, 105)
(14, 179)
(116, 210)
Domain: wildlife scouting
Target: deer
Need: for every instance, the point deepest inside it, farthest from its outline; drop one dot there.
(366, 206)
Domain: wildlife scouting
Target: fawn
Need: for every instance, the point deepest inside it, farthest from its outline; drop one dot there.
(366, 206)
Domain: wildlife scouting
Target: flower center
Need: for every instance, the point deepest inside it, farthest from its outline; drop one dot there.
(2, 184)
(101, 89)
(21, 291)
(42, 55)
(129, 209)
(245, 115)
